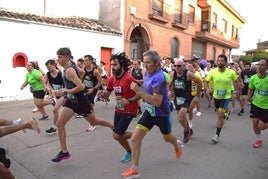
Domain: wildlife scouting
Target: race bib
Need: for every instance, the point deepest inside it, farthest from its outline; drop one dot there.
(246, 79)
(180, 100)
(88, 84)
(179, 84)
(56, 87)
(150, 108)
(119, 105)
(262, 92)
(221, 93)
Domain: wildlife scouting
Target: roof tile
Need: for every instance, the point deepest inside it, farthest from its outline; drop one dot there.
(73, 22)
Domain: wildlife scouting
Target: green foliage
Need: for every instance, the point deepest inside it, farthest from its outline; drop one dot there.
(256, 57)
(260, 55)
(245, 58)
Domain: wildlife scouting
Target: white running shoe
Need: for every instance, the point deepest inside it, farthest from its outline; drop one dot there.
(35, 110)
(20, 122)
(180, 143)
(194, 110)
(190, 123)
(35, 125)
(198, 114)
(90, 127)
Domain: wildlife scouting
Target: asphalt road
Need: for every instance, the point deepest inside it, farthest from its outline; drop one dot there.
(95, 155)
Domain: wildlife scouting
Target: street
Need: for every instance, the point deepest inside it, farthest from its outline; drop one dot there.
(96, 155)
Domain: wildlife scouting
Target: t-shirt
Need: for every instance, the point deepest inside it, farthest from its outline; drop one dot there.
(222, 82)
(33, 79)
(156, 83)
(194, 85)
(121, 88)
(260, 86)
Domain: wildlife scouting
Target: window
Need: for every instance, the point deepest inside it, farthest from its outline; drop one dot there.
(233, 34)
(174, 48)
(236, 34)
(157, 7)
(213, 54)
(214, 18)
(191, 13)
(224, 22)
(178, 11)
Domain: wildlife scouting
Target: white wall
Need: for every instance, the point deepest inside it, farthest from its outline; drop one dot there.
(40, 42)
(54, 8)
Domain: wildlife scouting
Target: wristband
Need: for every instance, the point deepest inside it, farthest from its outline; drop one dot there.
(129, 100)
(64, 93)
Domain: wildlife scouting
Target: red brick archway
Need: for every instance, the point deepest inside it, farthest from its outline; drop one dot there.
(20, 60)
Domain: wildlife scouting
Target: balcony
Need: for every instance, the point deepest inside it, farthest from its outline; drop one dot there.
(209, 32)
(180, 20)
(159, 11)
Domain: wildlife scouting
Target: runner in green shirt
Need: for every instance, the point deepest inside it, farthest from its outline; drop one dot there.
(222, 79)
(258, 95)
(37, 82)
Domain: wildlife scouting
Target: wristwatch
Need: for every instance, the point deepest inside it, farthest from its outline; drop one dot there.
(129, 100)
(64, 93)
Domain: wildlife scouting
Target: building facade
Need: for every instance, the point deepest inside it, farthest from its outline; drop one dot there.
(178, 28)
(261, 47)
(34, 37)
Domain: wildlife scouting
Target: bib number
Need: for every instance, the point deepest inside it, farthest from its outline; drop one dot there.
(221, 93)
(88, 84)
(150, 108)
(180, 100)
(56, 87)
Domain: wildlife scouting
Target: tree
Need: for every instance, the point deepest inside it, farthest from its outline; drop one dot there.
(245, 58)
(260, 55)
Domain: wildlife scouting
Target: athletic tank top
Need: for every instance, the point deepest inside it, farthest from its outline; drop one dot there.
(69, 85)
(57, 82)
(137, 75)
(89, 79)
(181, 86)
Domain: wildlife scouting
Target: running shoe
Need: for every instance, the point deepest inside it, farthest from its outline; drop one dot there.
(90, 127)
(241, 112)
(51, 130)
(190, 123)
(194, 110)
(191, 132)
(130, 173)
(178, 151)
(35, 125)
(257, 144)
(54, 101)
(77, 115)
(198, 114)
(44, 118)
(35, 110)
(20, 122)
(186, 136)
(126, 158)
(3, 157)
(61, 156)
(215, 138)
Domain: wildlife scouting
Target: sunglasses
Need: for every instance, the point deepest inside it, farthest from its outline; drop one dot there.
(177, 65)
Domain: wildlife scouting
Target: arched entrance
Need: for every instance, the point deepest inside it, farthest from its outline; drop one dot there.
(139, 42)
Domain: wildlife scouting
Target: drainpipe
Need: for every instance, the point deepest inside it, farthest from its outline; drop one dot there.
(45, 7)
